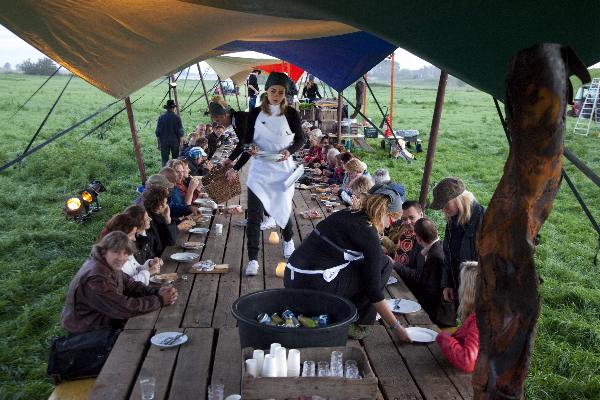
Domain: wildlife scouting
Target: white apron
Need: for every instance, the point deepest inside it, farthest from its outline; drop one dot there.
(266, 178)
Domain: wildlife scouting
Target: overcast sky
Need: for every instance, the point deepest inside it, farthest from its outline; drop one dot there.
(15, 51)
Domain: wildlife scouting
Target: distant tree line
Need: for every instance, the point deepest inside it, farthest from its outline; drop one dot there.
(382, 72)
(43, 66)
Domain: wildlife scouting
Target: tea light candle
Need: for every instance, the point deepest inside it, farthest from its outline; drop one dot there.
(274, 238)
(280, 270)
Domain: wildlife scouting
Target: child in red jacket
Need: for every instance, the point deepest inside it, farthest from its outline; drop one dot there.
(461, 348)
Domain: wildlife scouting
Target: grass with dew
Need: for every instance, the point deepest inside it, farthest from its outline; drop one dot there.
(40, 250)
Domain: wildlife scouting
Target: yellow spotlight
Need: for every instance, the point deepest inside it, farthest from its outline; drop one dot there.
(87, 197)
(73, 204)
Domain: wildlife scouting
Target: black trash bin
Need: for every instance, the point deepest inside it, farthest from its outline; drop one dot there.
(302, 301)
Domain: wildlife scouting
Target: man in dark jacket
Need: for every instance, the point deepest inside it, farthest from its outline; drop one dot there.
(359, 88)
(169, 133)
(253, 89)
(101, 296)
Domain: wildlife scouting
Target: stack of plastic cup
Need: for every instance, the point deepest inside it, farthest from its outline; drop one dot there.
(336, 367)
(308, 369)
(281, 360)
(259, 356)
(252, 367)
(270, 367)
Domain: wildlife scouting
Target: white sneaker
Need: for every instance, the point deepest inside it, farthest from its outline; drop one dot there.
(288, 248)
(252, 268)
(268, 223)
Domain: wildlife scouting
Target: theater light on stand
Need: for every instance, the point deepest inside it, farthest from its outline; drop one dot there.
(82, 206)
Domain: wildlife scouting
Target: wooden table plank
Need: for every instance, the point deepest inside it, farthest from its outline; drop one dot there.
(120, 370)
(190, 379)
(228, 361)
(395, 381)
(159, 363)
(399, 290)
(200, 308)
(462, 381)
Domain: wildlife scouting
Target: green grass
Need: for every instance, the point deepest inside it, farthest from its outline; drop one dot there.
(40, 250)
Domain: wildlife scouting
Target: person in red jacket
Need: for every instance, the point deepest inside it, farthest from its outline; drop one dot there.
(461, 348)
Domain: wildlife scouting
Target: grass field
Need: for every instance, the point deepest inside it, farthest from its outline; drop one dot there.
(40, 250)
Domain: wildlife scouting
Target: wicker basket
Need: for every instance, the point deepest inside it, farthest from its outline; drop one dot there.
(219, 188)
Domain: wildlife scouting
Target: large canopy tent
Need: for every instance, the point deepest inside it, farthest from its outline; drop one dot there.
(238, 68)
(119, 47)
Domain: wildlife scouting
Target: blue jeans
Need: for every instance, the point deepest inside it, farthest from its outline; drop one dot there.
(251, 103)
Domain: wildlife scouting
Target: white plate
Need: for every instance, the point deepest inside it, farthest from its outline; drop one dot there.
(184, 257)
(403, 306)
(157, 339)
(421, 335)
(392, 280)
(200, 231)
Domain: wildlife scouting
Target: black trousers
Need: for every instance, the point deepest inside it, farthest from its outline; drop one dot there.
(251, 103)
(255, 216)
(350, 283)
(167, 149)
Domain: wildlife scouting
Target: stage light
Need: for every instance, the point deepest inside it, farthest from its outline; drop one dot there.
(82, 206)
(90, 195)
(73, 205)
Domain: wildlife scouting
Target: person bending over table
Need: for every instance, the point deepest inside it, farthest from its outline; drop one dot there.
(101, 296)
(343, 256)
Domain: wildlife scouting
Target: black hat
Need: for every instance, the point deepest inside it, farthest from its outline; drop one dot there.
(278, 78)
(215, 109)
(170, 104)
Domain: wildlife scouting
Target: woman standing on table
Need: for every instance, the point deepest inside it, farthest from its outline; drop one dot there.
(275, 130)
(343, 256)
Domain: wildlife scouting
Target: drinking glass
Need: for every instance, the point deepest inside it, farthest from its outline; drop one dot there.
(215, 392)
(322, 368)
(351, 370)
(147, 386)
(308, 368)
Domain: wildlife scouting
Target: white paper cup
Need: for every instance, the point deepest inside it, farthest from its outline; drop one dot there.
(251, 367)
(293, 363)
(273, 349)
(259, 356)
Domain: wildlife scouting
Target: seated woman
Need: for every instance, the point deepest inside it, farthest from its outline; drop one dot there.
(163, 232)
(314, 152)
(354, 195)
(143, 242)
(101, 296)
(343, 256)
(191, 142)
(127, 224)
(187, 185)
(461, 348)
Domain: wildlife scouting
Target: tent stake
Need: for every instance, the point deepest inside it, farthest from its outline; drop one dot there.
(435, 125)
(136, 143)
(172, 79)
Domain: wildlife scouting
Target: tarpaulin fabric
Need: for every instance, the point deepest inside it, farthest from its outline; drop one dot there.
(292, 70)
(119, 46)
(337, 60)
(238, 68)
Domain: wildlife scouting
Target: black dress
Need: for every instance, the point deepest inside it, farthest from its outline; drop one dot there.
(362, 281)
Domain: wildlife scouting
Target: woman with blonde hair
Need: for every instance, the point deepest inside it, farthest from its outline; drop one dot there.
(343, 256)
(461, 348)
(464, 216)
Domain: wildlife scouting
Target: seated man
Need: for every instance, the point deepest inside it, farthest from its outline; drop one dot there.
(404, 235)
(427, 274)
(102, 296)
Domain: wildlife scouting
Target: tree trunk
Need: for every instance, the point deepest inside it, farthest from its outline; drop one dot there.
(508, 302)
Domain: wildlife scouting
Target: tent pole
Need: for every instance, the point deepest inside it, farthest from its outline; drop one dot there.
(435, 125)
(202, 81)
(339, 117)
(364, 107)
(221, 86)
(136, 143)
(392, 95)
(172, 80)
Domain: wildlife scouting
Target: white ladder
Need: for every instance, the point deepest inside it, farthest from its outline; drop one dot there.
(590, 109)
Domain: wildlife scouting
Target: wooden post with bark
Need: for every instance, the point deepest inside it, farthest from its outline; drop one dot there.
(508, 300)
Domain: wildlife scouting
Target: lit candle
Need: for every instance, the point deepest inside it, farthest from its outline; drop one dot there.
(274, 238)
(280, 270)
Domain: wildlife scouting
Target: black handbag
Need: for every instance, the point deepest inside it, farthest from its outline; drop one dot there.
(79, 356)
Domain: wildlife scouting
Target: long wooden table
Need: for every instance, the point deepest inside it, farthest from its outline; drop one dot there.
(212, 354)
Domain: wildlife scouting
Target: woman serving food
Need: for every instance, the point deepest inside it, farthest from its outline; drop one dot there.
(272, 134)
